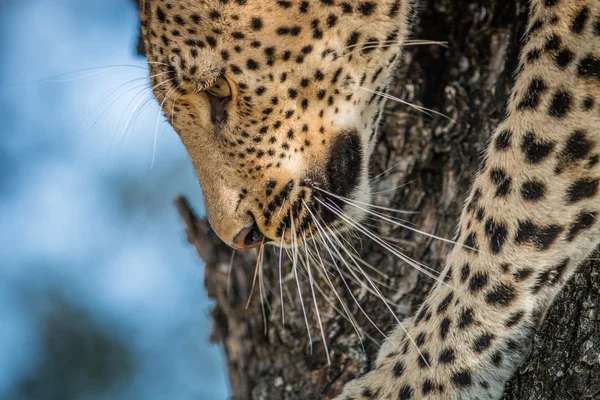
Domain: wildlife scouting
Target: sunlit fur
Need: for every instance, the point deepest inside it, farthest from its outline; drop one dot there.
(302, 76)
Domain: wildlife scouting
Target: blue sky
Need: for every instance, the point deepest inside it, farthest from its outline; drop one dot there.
(87, 182)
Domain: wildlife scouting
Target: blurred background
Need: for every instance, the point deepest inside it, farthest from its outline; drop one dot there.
(101, 297)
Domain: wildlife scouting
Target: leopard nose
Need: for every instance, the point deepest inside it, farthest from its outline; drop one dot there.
(343, 166)
(248, 238)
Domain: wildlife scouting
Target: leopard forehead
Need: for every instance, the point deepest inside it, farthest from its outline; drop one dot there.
(306, 80)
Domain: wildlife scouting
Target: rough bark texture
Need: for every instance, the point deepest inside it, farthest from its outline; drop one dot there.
(435, 160)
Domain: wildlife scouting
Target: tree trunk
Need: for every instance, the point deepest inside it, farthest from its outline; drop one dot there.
(434, 160)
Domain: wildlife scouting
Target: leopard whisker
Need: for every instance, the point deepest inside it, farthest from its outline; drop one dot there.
(143, 101)
(253, 279)
(324, 273)
(424, 110)
(295, 270)
(156, 133)
(385, 245)
(229, 269)
(146, 98)
(360, 282)
(280, 276)
(261, 285)
(98, 70)
(397, 252)
(392, 189)
(364, 203)
(119, 138)
(114, 92)
(389, 43)
(158, 121)
(377, 177)
(392, 220)
(328, 237)
(355, 256)
(410, 42)
(312, 283)
(380, 295)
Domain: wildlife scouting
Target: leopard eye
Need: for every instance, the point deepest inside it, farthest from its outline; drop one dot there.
(220, 88)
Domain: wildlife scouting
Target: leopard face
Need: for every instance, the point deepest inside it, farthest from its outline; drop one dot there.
(277, 104)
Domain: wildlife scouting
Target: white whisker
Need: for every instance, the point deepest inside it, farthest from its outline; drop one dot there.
(410, 42)
(385, 245)
(389, 43)
(119, 96)
(281, 277)
(399, 100)
(341, 275)
(392, 220)
(114, 92)
(387, 305)
(98, 70)
(157, 122)
(253, 280)
(229, 272)
(261, 285)
(392, 189)
(381, 175)
(156, 133)
(365, 204)
(295, 269)
(346, 314)
(311, 281)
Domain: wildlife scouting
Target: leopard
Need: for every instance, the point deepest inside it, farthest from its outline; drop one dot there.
(278, 104)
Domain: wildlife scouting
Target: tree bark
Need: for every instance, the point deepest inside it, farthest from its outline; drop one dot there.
(435, 159)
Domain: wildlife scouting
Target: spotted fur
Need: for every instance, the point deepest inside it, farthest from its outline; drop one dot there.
(303, 111)
(304, 115)
(531, 215)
